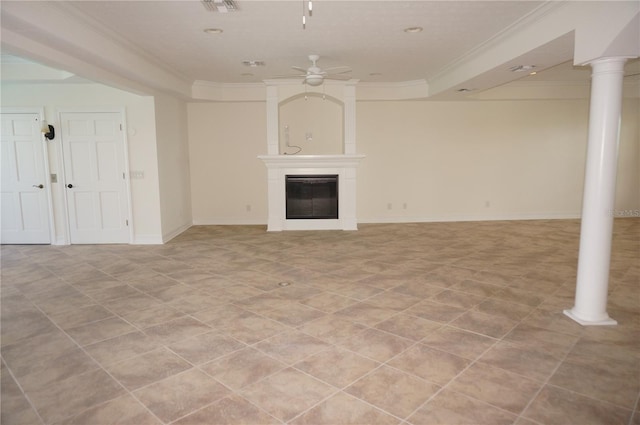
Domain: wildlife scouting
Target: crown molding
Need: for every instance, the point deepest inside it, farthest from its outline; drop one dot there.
(529, 19)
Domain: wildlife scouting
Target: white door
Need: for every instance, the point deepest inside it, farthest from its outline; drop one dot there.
(94, 164)
(24, 201)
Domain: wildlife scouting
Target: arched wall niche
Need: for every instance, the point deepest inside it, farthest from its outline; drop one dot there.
(311, 124)
(279, 92)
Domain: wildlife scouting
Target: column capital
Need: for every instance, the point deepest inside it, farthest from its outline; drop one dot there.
(612, 64)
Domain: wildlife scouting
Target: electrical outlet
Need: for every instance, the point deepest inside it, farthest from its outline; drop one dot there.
(389, 206)
(248, 207)
(54, 178)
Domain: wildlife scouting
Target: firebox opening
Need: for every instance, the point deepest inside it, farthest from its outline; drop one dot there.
(312, 196)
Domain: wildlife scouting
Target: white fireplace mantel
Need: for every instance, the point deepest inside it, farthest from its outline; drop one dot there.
(279, 166)
(313, 161)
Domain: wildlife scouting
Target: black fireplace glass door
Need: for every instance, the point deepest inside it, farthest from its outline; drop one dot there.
(310, 197)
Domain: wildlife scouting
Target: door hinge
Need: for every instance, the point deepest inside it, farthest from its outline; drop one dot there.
(127, 222)
(123, 177)
(120, 127)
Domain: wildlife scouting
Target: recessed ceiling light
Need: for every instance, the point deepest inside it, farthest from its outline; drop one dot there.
(246, 74)
(375, 74)
(464, 90)
(213, 30)
(413, 29)
(533, 73)
(521, 68)
(253, 64)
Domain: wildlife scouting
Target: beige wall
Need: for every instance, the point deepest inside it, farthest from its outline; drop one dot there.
(173, 165)
(228, 181)
(141, 136)
(481, 160)
(444, 160)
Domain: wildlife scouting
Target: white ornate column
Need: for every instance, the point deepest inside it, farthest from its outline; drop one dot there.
(596, 229)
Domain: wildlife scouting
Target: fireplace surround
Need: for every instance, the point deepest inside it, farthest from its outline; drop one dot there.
(342, 164)
(281, 166)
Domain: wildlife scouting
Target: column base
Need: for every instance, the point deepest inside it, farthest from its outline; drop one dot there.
(584, 322)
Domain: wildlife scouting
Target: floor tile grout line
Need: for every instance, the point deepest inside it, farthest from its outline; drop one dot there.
(342, 390)
(99, 366)
(133, 392)
(24, 393)
(546, 381)
(476, 360)
(443, 387)
(522, 321)
(386, 364)
(635, 412)
(332, 345)
(233, 392)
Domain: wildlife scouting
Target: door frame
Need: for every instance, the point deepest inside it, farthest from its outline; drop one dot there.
(125, 146)
(39, 111)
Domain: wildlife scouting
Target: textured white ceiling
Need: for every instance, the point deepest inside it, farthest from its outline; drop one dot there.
(367, 36)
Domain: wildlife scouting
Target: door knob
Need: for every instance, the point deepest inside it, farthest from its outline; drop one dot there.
(39, 186)
(69, 185)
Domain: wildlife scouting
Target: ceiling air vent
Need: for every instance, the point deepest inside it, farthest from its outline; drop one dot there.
(222, 6)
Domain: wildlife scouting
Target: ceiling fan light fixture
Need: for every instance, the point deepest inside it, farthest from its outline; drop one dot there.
(314, 80)
(213, 30)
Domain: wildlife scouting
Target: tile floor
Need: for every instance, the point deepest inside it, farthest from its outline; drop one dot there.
(447, 323)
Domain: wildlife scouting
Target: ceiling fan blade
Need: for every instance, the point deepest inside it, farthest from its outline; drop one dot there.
(338, 70)
(338, 77)
(297, 68)
(290, 76)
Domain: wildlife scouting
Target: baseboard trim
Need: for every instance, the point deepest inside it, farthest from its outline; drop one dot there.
(167, 237)
(228, 221)
(464, 217)
(147, 240)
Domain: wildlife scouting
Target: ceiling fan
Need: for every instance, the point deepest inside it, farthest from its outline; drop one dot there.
(314, 75)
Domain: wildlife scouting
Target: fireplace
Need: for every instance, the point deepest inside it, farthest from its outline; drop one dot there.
(320, 159)
(311, 196)
(340, 167)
